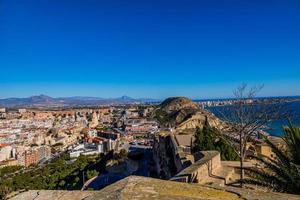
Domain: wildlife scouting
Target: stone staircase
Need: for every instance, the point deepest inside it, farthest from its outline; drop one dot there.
(222, 176)
(210, 170)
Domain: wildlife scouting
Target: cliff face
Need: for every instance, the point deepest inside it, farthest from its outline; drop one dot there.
(198, 120)
(182, 113)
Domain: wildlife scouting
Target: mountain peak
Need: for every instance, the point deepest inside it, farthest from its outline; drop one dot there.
(125, 97)
(41, 96)
(47, 101)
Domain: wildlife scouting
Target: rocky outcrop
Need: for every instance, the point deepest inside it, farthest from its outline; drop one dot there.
(182, 113)
(177, 103)
(52, 194)
(198, 120)
(141, 188)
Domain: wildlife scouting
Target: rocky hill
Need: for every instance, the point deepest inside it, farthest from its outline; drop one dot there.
(178, 103)
(183, 113)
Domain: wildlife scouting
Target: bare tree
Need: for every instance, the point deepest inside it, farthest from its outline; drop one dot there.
(246, 119)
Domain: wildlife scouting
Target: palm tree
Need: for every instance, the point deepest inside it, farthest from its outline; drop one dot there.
(292, 139)
(282, 173)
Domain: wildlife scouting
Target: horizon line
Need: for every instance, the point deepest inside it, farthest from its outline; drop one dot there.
(160, 99)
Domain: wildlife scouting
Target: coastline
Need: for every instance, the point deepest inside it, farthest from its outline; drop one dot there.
(275, 127)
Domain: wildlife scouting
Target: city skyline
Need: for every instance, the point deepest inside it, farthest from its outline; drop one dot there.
(148, 49)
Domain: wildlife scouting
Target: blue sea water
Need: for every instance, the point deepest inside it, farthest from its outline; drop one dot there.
(275, 127)
(293, 109)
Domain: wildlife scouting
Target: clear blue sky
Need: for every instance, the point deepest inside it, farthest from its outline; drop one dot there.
(143, 48)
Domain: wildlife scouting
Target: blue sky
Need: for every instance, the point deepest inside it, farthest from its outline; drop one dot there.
(200, 49)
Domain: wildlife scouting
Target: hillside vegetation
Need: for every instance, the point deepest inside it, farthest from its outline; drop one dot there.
(183, 113)
(175, 110)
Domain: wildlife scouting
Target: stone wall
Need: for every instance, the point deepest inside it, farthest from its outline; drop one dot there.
(168, 157)
(201, 169)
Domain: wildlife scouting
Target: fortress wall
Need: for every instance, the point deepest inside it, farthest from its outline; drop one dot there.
(201, 169)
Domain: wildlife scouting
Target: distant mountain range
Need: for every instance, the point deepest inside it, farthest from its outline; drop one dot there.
(46, 101)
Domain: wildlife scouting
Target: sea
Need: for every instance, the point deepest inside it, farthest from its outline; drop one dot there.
(275, 127)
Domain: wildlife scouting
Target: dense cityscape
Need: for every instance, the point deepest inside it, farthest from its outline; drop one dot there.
(91, 148)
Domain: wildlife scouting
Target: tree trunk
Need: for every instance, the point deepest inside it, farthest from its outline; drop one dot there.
(242, 161)
(242, 170)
